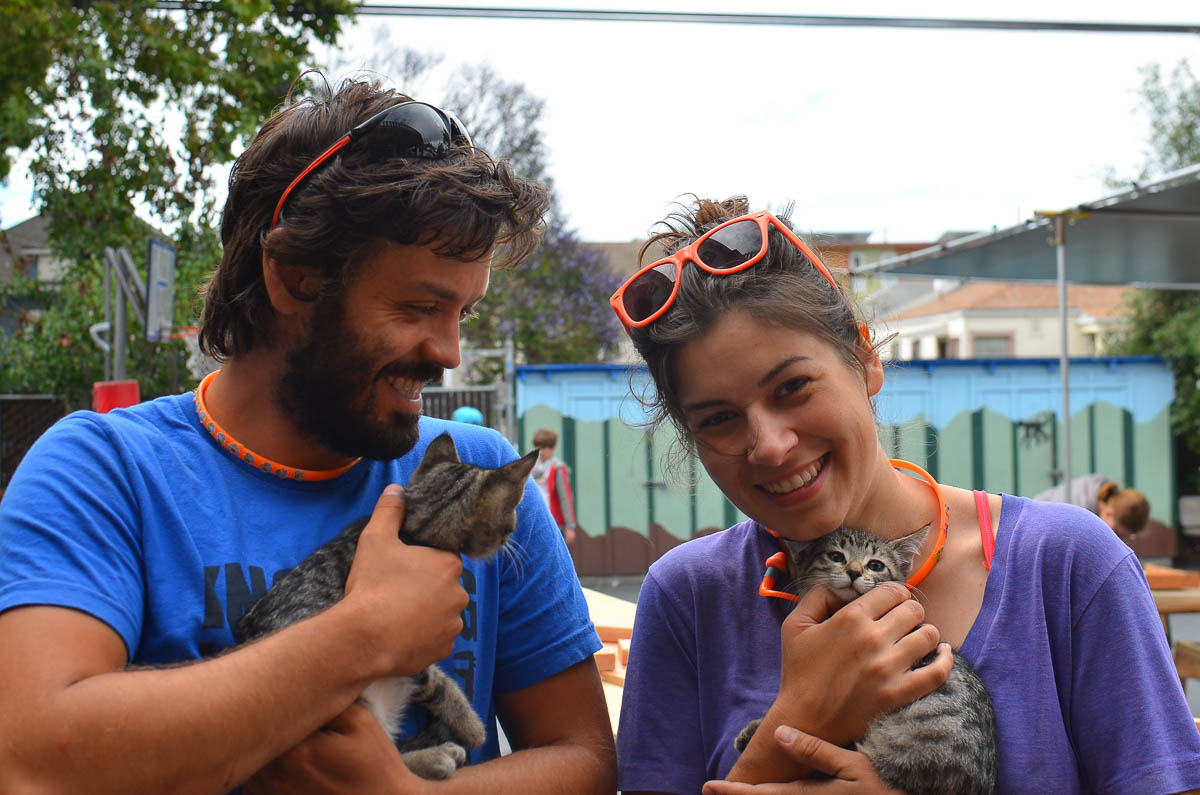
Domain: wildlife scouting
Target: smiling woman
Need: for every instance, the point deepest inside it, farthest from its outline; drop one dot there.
(763, 364)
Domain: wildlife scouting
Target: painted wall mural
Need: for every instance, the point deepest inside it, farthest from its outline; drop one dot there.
(988, 424)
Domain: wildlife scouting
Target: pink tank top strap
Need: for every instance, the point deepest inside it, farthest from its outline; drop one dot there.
(985, 527)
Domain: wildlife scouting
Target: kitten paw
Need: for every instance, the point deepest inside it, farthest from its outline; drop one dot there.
(437, 762)
(472, 734)
(743, 739)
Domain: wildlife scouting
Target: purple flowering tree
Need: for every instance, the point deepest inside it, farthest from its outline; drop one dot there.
(555, 307)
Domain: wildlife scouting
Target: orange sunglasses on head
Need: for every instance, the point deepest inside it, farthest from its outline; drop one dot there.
(407, 129)
(730, 247)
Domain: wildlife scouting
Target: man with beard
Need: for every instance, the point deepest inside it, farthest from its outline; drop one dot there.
(137, 538)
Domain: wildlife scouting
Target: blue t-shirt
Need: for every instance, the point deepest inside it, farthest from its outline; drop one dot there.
(139, 518)
(1068, 641)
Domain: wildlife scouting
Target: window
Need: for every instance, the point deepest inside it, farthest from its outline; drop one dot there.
(947, 347)
(27, 266)
(992, 346)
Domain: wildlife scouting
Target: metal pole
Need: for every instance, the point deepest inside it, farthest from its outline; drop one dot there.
(510, 388)
(119, 337)
(1064, 362)
(108, 285)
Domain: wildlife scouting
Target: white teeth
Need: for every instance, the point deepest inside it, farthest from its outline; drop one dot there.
(801, 478)
(407, 387)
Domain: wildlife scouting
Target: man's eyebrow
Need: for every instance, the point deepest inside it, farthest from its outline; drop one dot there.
(766, 379)
(437, 291)
(445, 294)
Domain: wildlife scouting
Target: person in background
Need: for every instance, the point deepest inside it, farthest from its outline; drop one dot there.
(553, 479)
(1124, 510)
(468, 414)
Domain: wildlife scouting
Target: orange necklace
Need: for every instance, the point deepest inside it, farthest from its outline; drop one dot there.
(242, 453)
(777, 563)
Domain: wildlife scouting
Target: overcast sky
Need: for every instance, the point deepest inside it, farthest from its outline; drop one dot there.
(902, 133)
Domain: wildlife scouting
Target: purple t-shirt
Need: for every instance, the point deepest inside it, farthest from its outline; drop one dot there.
(1067, 640)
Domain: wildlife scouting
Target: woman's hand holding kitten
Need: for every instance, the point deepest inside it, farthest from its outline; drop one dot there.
(843, 665)
(853, 771)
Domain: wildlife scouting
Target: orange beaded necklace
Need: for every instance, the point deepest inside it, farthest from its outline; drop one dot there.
(242, 453)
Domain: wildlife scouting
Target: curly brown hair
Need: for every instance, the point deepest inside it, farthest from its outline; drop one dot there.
(464, 203)
(784, 289)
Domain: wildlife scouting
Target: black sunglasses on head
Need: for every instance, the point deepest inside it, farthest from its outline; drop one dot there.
(409, 129)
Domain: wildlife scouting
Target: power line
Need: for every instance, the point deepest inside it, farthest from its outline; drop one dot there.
(810, 20)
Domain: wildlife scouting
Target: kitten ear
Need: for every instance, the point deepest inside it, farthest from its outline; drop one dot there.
(909, 546)
(798, 555)
(513, 477)
(517, 472)
(523, 466)
(440, 451)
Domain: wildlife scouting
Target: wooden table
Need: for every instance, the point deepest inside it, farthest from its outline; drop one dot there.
(1176, 600)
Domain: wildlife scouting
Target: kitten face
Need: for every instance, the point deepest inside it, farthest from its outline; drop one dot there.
(851, 562)
(461, 508)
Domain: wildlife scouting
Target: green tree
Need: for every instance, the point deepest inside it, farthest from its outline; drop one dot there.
(126, 109)
(1167, 322)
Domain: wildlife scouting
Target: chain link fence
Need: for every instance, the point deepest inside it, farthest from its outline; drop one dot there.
(23, 418)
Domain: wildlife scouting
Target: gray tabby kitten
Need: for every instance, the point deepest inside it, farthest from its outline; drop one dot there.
(942, 744)
(448, 505)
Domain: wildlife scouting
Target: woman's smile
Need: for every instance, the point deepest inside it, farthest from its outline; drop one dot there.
(789, 483)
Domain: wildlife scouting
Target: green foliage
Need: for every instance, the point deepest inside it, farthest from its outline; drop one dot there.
(52, 352)
(125, 109)
(1173, 107)
(1167, 322)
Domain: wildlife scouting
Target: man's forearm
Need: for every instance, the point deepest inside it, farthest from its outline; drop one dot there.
(549, 770)
(201, 727)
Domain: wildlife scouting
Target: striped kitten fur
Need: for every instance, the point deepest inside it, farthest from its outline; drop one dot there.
(942, 744)
(448, 505)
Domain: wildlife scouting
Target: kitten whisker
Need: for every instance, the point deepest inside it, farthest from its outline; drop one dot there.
(515, 554)
(802, 585)
(918, 594)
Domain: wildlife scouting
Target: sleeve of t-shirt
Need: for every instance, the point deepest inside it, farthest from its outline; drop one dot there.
(1125, 679)
(545, 625)
(659, 741)
(68, 534)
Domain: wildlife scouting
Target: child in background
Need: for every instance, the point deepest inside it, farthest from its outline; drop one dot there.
(553, 479)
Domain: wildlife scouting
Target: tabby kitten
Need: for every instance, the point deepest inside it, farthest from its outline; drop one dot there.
(942, 744)
(449, 505)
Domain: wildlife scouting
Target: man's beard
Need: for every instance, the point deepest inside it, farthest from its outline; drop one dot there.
(329, 388)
